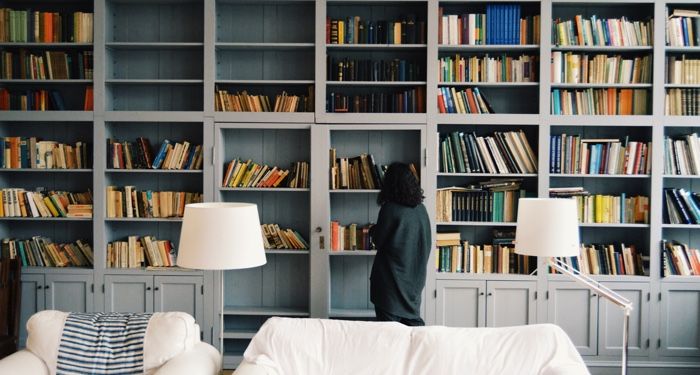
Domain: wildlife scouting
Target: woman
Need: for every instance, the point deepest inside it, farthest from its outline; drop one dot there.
(402, 238)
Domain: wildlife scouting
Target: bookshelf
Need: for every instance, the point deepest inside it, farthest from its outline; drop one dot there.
(157, 66)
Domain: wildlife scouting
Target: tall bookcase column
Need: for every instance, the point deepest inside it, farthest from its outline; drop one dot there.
(210, 25)
(99, 201)
(320, 236)
(99, 59)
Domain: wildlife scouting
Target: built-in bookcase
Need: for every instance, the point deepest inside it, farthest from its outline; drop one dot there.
(154, 55)
(280, 287)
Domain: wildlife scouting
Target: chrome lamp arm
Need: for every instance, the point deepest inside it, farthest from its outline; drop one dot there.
(605, 292)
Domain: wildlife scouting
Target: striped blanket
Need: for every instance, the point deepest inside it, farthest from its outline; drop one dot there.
(102, 343)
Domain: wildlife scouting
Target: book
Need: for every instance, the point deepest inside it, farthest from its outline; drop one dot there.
(351, 237)
(404, 101)
(41, 251)
(595, 31)
(248, 174)
(129, 202)
(140, 252)
(494, 24)
(405, 29)
(244, 102)
(457, 68)
(17, 202)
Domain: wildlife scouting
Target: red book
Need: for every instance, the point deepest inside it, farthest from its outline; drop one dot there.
(335, 241)
(48, 27)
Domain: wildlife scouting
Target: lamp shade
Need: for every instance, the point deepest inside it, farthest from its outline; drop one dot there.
(221, 236)
(547, 227)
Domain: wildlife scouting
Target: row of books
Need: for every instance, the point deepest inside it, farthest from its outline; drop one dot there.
(572, 154)
(406, 29)
(594, 31)
(501, 24)
(610, 101)
(127, 201)
(488, 69)
(574, 68)
(48, 65)
(350, 237)
(682, 156)
(683, 28)
(683, 71)
(504, 152)
(39, 100)
(606, 209)
(360, 172)
(679, 259)
(140, 251)
(495, 200)
(608, 259)
(31, 153)
(248, 174)
(275, 237)
(469, 100)
(244, 102)
(16, 202)
(682, 206)
(458, 256)
(43, 252)
(396, 70)
(28, 26)
(406, 101)
(682, 102)
(170, 155)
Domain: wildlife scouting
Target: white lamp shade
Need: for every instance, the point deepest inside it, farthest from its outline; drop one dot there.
(221, 236)
(547, 227)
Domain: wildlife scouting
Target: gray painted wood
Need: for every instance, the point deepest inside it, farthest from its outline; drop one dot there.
(461, 303)
(179, 293)
(128, 293)
(575, 309)
(510, 303)
(679, 332)
(72, 293)
(610, 318)
(33, 300)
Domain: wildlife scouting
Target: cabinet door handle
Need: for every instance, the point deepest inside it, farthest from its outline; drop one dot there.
(39, 286)
(489, 294)
(47, 286)
(156, 288)
(318, 229)
(481, 293)
(594, 295)
(148, 288)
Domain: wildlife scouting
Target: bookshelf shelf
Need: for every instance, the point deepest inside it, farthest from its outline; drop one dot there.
(354, 191)
(678, 278)
(494, 175)
(375, 83)
(476, 223)
(56, 219)
(375, 47)
(38, 170)
(603, 278)
(154, 81)
(144, 219)
(488, 84)
(593, 120)
(601, 85)
(694, 49)
(680, 121)
(161, 271)
(239, 334)
(45, 81)
(603, 48)
(484, 276)
(353, 253)
(489, 119)
(58, 45)
(613, 225)
(286, 252)
(351, 313)
(264, 311)
(371, 118)
(681, 86)
(153, 116)
(58, 270)
(681, 226)
(161, 171)
(49, 116)
(271, 190)
(153, 45)
(572, 175)
(263, 46)
(257, 82)
(487, 47)
(684, 176)
(266, 117)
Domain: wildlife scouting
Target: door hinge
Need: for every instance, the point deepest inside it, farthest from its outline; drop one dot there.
(659, 296)
(202, 289)
(648, 296)
(647, 343)
(425, 157)
(211, 161)
(435, 293)
(535, 294)
(103, 288)
(92, 288)
(201, 335)
(546, 295)
(658, 343)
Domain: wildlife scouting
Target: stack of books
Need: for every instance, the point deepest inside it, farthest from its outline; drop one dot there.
(138, 252)
(469, 100)
(275, 237)
(682, 156)
(682, 206)
(21, 152)
(49, 65)
(606, 209)
(504, 152)
(495, 200)
(683, 28)
(131, 203)
(170, 155)
(42, 252)
(23, 203)
(571, 154)
(679, 259)
(247, 174)
(350, 237)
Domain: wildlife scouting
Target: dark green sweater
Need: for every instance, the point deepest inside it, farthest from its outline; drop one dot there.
(402, 237)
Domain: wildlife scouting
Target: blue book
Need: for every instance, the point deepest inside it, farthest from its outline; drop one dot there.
(350, 27)
(623, 206)
(556, 105)
(594, 19)
(606, 33)
(516, 39)
(686, 39)
(160, 156)
(447, 95)
(552, 152)
(489, 24)
(557, 153)
(692, 207)
(24, 153)
(22, 255)
(2, 152)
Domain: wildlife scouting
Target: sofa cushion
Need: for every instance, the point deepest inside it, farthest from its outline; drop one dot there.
(167, 335)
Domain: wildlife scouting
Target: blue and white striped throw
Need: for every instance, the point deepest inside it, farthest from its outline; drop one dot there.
(102, 343)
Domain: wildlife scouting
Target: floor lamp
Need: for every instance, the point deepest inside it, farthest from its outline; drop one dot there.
(548, 227)
(221, 236)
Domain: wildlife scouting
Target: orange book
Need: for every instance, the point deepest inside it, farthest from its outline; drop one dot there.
(335, 241)
(48, 27)
(472, 103)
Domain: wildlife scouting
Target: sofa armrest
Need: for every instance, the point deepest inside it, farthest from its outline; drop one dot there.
(23, 362)
(202, 359)
(247, 368)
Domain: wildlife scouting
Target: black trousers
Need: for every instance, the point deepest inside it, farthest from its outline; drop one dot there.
(383, 316)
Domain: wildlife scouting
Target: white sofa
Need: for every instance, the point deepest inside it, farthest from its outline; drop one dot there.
(171, 346)
(333, 347)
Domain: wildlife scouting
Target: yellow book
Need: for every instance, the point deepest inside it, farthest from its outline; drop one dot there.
(50, 206)
(341, 32)
(488, 258)
(2, 209)
(241, 172)
(598, 218)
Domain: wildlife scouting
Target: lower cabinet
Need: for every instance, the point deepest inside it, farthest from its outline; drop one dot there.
(680, 320)
(476, 303)
(64, 292)
(124, 293)
(594, 324)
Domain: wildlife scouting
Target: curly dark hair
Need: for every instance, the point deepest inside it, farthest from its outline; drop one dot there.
(400, 186)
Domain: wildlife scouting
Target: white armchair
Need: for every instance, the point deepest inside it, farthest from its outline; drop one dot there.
(171, 346)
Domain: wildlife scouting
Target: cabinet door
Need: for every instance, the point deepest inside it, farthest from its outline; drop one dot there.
(32, 301)
(510, 303)
(128, 293)
(610, 318)
(461, 303)
(575, 309)
(69, 293)
(680, 319)
(180, 293)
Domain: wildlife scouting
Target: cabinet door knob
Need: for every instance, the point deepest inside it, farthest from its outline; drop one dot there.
(489, 294)
(47, 286)
(39, 286)
(594, 295)
(148, 288)
(318, 229)
(156, 288)
(481, 293)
